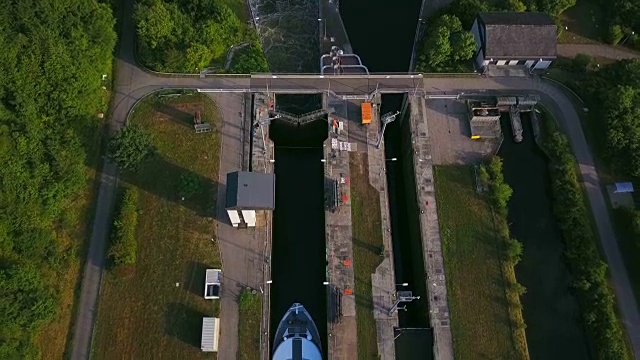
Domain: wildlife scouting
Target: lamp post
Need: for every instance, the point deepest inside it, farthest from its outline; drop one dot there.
(386, 119)
(625, 39)
(268, 282)
(325, 27)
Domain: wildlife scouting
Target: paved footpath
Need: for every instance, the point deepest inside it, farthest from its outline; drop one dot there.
(598, 50)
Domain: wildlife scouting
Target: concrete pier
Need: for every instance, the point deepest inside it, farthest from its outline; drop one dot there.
(331, 28)
(430, 230)
(341, 302)
(362, 139)
(383, 280)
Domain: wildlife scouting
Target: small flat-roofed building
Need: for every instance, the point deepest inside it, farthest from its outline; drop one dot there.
(248, 192)
(484, 120)
(210, 334)
(514, 39)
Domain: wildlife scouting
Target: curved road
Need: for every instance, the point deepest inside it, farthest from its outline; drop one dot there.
(132, 83)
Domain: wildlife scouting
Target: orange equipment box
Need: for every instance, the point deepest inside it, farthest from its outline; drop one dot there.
(366, 112)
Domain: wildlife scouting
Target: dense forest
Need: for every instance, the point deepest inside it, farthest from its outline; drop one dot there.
(186, 36)
(54, 53)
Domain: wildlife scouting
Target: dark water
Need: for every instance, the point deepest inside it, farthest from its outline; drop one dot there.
(381, 32)
(550, 311)
(298, 251)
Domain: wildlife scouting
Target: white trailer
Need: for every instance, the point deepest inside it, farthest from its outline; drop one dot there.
(210, 334)
(212, 284)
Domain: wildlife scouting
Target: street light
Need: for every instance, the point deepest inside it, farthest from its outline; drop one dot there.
(392, 159)
(386, 118)
(625, 39)
(325, 26)
(266, 282)
(403, 284)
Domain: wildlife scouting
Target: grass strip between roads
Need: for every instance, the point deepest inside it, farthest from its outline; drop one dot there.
(156, 305)
(483, 302)
(367, 249)
(250, 315)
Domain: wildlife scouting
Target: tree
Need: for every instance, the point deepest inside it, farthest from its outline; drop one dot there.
(154, 22)
(130, 147)
(54, 53)
(182, 36)
(515, 5)
(446, 45)
(250, 59)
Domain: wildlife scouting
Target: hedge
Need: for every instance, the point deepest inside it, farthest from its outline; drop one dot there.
(499, 193)
(123, 247)
(590, 279)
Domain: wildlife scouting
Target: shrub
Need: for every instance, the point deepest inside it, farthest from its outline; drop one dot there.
(614, 34)
(514, 251)
(189, 185)
(581, 62)
(249, 60)
(124, 245)
(499, 191)
(130, 146)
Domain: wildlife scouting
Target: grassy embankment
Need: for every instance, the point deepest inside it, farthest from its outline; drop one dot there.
(367, 249)
(486, 315)
(156, 306)
(591, 280)
(250, 315)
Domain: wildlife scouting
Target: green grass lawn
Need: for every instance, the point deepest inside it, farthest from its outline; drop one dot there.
(154, 309)
(367, 247)
(480, 323)
(250, 315)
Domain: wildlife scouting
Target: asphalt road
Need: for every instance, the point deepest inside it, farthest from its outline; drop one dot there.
(132, 83)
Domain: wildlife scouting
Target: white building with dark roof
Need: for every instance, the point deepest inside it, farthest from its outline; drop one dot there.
(514, 39)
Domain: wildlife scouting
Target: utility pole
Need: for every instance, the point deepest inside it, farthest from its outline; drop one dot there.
(386, 119)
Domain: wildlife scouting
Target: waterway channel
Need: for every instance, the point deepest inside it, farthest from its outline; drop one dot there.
(550, 310)
(383, 36)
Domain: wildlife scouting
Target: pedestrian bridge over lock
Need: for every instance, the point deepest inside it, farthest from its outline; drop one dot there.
(344, 86)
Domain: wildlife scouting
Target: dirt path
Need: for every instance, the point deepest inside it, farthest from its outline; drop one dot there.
(596, 50)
